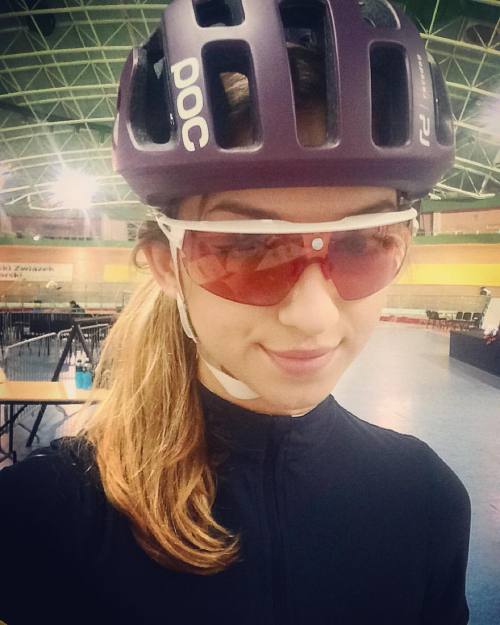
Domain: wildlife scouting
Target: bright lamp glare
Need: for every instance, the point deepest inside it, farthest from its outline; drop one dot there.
(489, 118)
(74, 189)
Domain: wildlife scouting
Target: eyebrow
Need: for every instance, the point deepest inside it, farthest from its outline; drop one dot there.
(247, 210)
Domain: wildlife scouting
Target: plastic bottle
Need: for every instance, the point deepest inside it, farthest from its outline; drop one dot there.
(87, 375)
(79, 374)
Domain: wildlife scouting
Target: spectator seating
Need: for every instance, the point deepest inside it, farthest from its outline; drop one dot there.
(460, 321)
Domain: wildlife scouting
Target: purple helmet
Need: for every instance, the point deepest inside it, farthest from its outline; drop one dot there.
(388, 118)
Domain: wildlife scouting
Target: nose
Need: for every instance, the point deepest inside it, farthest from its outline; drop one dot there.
(312, 305)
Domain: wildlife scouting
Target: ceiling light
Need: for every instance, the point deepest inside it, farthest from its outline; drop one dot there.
(74, 190)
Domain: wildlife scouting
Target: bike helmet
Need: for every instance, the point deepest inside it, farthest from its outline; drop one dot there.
(388, 117)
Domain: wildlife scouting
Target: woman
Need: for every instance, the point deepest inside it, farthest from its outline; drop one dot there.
(220, 482)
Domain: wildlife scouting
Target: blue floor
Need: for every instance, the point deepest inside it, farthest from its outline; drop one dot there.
(404, 380)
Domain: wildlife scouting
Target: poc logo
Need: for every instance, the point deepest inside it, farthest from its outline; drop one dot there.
(190, 103)
(425, 130)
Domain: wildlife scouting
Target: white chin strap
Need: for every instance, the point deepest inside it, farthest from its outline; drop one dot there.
(234, 387)
(231, 385)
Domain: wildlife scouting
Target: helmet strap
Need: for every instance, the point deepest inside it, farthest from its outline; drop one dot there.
(234, 387)
(231, 385)
(185, 321)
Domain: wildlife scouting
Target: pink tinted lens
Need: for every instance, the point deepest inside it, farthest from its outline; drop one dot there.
(261, 269)
(256, 269)
(363, 262)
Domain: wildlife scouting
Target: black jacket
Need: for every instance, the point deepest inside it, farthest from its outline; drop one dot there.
(341, 523)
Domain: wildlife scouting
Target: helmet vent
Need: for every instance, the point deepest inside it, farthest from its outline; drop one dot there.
(218, 12)
(231, 90)
(442, 109)
(308, 34)
(390, 96)
(150, 109)
(378, 14)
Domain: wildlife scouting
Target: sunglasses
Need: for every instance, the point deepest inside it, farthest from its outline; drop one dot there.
(259, 261)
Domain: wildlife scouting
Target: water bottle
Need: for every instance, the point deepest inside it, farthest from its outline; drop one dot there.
(87, 375)
(79, 382)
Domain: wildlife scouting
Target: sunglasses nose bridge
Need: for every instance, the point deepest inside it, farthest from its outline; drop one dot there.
(316, 246)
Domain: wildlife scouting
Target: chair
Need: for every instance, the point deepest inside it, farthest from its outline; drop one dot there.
(429, 318)
(436, 319)
(457, 323)
(477, 319)
(467, 320)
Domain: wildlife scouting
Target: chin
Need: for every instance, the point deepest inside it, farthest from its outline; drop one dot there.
(299, 398)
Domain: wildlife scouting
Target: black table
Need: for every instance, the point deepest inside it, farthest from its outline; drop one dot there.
(471, 347)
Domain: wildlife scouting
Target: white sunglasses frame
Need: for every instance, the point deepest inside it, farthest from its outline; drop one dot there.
(174, 230)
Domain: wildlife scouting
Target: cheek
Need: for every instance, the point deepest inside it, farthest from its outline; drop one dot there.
(220, 324)
(363, 315)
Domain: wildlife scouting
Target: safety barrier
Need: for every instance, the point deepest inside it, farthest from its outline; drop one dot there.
(52, 357)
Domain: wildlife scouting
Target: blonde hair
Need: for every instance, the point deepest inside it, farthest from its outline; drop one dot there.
(149, 434)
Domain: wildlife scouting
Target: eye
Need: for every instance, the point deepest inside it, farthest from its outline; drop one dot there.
(351, 244)
(383, 238)
(387, 242)
(235, 243)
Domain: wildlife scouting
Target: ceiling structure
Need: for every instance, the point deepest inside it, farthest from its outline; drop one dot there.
(60, 62)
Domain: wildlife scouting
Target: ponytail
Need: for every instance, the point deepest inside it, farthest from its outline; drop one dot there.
(150, 441)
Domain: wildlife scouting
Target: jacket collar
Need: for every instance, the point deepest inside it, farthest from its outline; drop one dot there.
(234, 429)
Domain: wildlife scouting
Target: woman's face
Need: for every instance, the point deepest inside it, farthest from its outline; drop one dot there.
(251, 342)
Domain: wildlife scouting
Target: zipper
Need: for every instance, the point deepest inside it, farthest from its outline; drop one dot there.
(272, 472)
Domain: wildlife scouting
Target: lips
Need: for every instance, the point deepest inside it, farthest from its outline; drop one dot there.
(301, 362)
(301, 354)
